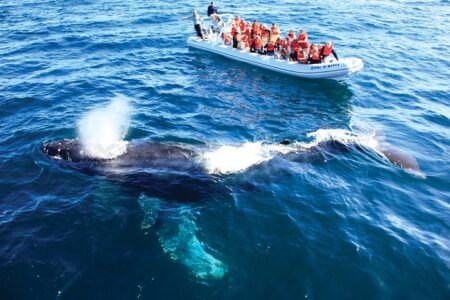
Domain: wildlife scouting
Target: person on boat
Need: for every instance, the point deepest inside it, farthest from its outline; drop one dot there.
(326, 51)
(303, 41)
(242, 25)
(245, 43)
(301, 57)
(248, 29)
(270, 48)
(290, 36)
(226, 38)
(284, 54)
(236, 40)
(314, 57)
(217, 23)
(257, 45)
(198, 22)
(255, 29)
(235, 29)
(274, 32)
(212, 9)
(294, 50)
(279, 43)
(265, 34)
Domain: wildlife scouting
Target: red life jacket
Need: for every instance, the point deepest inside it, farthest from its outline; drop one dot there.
(258, 44)
(303, 40)
(264, 33)
(275, 31)
(327, 50)
(315, 55)
(242, 25)
(234, 31)
(291, 35)
(294, 45)
(280, 43)
(255, 26)
(301, 57)
(270, 46)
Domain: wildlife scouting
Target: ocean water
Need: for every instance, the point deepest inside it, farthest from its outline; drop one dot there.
(354, 226)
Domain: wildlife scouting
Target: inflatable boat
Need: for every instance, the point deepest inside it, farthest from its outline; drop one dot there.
(337, 69)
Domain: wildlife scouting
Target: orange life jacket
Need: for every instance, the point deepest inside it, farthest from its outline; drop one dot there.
(275, 31)
(264, 33)
(303, 40)
(294, 45)
(315, 55)
(327, 50)
(258, 44)
(255, 26)
(242, 25)
(301, 57)
(234, 30)
(270, 46)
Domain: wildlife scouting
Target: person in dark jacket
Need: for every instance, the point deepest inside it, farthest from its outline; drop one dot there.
(212, 9)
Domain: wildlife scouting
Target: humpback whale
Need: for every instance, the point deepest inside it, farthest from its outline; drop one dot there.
(168, 171)
(145, 163)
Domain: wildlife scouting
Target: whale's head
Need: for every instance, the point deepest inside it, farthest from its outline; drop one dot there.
(67, 150)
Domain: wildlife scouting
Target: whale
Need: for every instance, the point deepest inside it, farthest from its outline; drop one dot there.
(168, 166)
(173, 173)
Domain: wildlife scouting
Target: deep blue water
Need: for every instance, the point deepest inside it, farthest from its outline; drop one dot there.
(353, 227)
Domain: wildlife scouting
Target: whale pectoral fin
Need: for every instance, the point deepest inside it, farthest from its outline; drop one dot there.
(179, 240)
(151, 207)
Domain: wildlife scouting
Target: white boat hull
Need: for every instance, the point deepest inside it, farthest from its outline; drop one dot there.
(333, 70)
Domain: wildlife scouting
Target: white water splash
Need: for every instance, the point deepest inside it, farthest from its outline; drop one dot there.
(231, 159)
(101, 130)
(343, 136)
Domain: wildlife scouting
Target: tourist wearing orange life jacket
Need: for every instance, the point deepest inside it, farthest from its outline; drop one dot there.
(255, 28)
(242, 25)
(270, 48)
(290, 36)
(327, 50)
(274, 32)
(257, 45)
(301, 57)
(294, 50)
(279, 43)
(303, 41)
(314, 57)
(245, 43)
(234, 30)
(265, 33)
